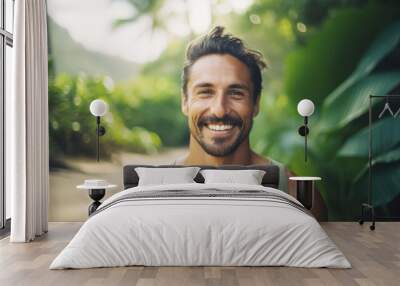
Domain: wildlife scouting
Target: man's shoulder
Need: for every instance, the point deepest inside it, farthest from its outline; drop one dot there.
(257, 159)
(282, 167)
(262, 160)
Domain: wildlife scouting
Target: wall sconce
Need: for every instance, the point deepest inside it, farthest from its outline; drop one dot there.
(98, 108)
(305, 108)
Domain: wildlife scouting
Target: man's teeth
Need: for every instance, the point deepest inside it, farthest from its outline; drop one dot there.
(219, 127)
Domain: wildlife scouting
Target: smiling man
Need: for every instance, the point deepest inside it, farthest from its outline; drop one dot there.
(221, 88)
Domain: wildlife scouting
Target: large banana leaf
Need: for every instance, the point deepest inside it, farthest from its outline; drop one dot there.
(353, 102)
(385, 136)
(389, 157)
(382, 46)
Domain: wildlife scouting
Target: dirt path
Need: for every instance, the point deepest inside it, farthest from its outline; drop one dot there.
(70, 204)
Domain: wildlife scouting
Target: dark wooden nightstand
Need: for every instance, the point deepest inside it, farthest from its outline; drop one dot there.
(305, 189)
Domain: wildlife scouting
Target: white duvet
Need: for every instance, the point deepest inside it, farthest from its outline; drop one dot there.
(185, 231)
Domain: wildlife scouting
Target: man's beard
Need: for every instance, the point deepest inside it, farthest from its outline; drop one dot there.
(217, 148)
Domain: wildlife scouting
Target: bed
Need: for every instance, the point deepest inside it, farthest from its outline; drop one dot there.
(201, 224)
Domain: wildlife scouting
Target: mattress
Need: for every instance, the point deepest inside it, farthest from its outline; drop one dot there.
(201, 225)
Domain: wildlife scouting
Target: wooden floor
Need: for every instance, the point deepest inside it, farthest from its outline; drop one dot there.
(375, 257)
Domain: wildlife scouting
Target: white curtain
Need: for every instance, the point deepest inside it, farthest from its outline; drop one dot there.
(27, 124)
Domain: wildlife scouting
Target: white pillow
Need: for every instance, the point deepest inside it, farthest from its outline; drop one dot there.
(248, 177)
(162, 176)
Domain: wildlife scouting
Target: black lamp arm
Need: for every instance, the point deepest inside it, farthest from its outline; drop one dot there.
(100, 131)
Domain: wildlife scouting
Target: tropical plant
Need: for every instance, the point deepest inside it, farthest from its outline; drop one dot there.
(343, 123)
(349, 102)
(339, 79)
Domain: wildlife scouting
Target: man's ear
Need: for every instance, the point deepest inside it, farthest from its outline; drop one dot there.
(257, 106)
(184, 103)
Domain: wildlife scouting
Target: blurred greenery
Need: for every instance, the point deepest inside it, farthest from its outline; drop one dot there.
(335, 53)
(72, 127)
(368, 63)
(370, 77)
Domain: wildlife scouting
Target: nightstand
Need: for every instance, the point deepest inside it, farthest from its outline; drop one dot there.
(305, 189)
(97, 190)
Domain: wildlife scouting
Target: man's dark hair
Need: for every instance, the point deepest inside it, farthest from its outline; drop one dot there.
(216, 42)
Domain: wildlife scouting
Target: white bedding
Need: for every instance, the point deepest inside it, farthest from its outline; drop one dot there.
(182, 231)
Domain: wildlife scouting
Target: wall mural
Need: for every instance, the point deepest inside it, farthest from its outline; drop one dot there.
(132, 54)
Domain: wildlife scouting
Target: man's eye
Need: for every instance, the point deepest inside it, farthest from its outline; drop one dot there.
(205, 92)
(236, 93)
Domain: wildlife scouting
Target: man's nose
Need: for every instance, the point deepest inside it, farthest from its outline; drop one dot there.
(219, 106)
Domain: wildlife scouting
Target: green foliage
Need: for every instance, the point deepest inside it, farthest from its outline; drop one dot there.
(338, 68)
(72, 127)
(154, 103)
(144, 110)
(385, 132)
(353, 101)
(311, 13)
(380, 48)
(386, 135)
(333, 53)
(385, 183)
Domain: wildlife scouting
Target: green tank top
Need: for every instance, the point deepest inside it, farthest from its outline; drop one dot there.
(283, 178)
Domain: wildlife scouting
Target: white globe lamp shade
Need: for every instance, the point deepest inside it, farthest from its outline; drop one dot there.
(98, 107)
(305, 107)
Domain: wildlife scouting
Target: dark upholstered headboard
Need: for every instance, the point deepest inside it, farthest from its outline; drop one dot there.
(270, 179)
